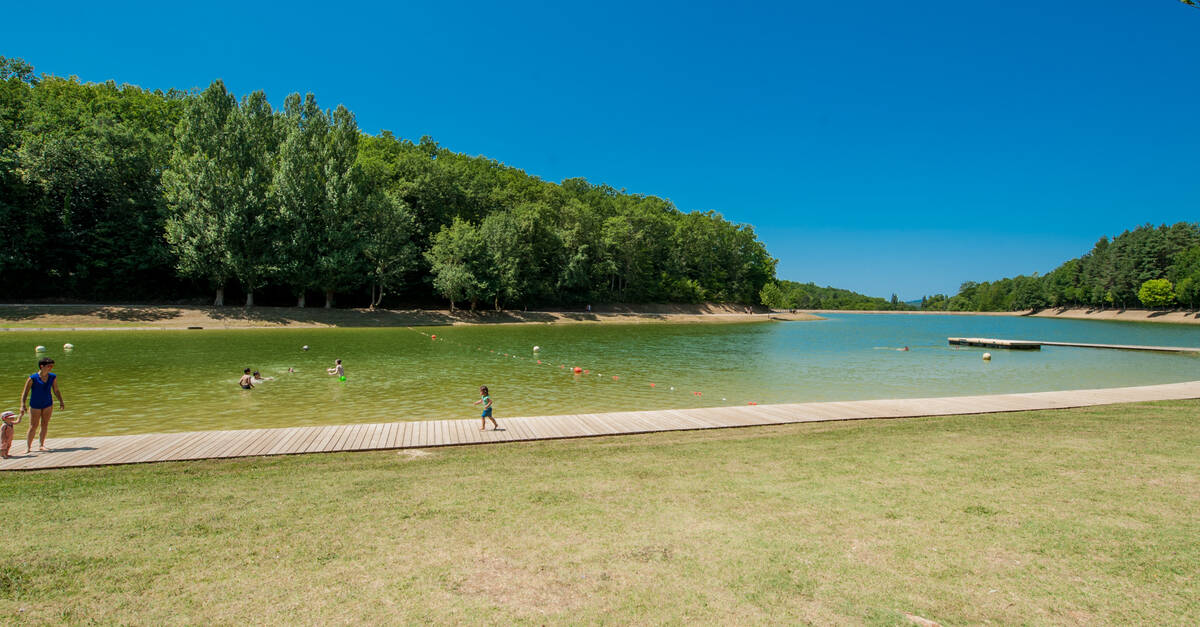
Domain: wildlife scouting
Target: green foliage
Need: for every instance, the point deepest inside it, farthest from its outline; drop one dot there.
(1156, 293)
(792, 295)
(773, 297)
(80, 168)
(134, 190)
(459, 264)
(1112, 274)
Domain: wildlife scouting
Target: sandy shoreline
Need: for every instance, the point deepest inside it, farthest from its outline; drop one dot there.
(1075, 313)
(160, 317)
(133, 317)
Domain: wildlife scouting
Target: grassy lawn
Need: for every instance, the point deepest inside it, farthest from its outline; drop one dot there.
(1087, 516)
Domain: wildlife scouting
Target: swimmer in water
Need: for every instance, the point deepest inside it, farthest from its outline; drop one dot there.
(247, 380)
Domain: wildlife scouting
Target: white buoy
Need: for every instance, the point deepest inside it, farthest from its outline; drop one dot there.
(537, 348)
(68, 346)
(304, 348)
(40, 349)
(987, 356)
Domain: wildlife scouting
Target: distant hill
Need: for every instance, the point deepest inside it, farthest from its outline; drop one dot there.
(1149, 267)
(793, 295)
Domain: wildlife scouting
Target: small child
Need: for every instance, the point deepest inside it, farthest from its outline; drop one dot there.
(487, 409)
(6, 431)
(337, 370)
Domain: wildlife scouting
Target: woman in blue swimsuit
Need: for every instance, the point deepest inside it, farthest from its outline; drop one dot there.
(35, 399)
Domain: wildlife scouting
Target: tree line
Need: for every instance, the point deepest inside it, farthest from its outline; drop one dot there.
(117, 192)
(793, 295)
(1147, 267)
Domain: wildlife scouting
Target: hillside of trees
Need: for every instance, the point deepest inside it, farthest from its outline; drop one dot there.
(116, 193)
(793, 295)
(1150, 267)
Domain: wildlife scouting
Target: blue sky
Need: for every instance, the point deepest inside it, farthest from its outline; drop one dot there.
(876, 146)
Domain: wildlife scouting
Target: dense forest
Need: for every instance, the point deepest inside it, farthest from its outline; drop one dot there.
(1147, 267)
(114, 192)
(792, 295)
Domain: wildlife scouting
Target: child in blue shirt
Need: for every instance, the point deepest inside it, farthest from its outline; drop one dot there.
(486, 400)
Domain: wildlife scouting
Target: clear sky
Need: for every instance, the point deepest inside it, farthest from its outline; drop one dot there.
(877, 146)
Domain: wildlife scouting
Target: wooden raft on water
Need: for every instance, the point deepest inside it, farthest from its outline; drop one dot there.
(1038, 344)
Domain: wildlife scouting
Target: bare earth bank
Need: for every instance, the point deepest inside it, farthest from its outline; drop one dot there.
(18, 317)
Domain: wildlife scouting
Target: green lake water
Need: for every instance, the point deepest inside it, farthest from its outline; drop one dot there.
(119, 382)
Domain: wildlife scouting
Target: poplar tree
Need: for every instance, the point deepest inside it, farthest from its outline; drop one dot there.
(253, 225)
(338, 253)
(199, 185)
(298, 192)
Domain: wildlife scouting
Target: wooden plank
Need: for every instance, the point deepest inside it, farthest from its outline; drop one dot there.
(320, 438)
(311, 434)
(516, 432)
(267, 443)
(329, 441)
(343, 435)
(393, 432)
(187, 447)
(120, 448)
(192, 448)
(66, 458)
(289, 442)
(458, 431)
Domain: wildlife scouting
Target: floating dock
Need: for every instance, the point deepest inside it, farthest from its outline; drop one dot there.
(1038, 344)
(1023, 345)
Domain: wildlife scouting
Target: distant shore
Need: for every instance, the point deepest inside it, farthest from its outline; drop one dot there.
(1071, 313)
(121, 317)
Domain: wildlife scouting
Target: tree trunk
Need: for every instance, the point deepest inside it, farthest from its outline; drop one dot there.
(219, 301)
(249, 299)
(496, 302)
(300, 300)
(329, 299)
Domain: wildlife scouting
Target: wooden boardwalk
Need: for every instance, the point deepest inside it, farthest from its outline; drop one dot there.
(988, 342)
(157, 447)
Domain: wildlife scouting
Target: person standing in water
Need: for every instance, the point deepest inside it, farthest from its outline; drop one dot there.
(486, 400)
(35, 399)
(337, 370)
(247, 381)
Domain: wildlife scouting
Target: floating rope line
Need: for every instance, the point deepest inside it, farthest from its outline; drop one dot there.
(578, 371)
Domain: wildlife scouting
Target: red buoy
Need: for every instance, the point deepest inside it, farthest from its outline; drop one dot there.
(651, 385)
(433, 337)
(615, 377)
(577, 369)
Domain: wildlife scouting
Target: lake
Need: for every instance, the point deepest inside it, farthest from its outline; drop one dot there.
(120, 382)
